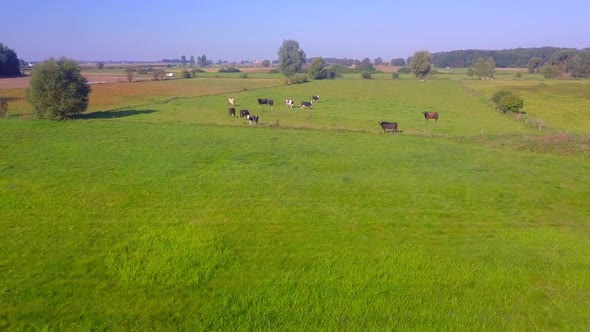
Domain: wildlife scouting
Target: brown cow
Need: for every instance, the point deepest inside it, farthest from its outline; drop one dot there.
(430, 115)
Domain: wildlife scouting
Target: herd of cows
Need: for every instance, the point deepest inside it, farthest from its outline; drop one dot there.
(252, 118)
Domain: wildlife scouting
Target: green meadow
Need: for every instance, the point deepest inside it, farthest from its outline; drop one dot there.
(159, 212)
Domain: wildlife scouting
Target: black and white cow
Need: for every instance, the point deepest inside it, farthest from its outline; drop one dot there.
(315, 98)
(289, 103)
(252, 118)
(244, 113)
(231, 112)
(306, 104)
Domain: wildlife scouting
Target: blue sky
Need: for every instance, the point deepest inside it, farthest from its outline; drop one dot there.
(248, 30)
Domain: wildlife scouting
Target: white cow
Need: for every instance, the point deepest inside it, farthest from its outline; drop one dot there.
(231, 101)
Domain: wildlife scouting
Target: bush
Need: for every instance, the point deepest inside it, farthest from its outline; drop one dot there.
(296, 79)
(500, 94)
(506, 101)
(274, 71)
(3, 106)
(229, 70)
(366, 75)
(404, 70)
(549, 71)
(470, 72)
(518, 75)
(185, 74)
(244, 75)
(57, 89)
(395, 76)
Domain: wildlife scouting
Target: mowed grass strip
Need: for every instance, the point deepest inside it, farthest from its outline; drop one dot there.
(127, 225)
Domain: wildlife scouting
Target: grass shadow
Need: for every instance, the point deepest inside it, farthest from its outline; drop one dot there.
(112, 114)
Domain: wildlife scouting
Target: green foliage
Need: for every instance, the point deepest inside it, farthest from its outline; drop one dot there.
(366, 75)
(291, 58)
(512, 58)
(395, 76)
(244, 75)
(266, 63)
(3, 106)
(398, 62)
(562, 60)
(202, 61)
(507, 101)
(580, 66)
(297, 79)
(229, 70)
(185, 73)
(518, 75)
(511, 103)
(183, 61)
(549, 71)
(192, 61)
(484, 68)
(9, 62)
(404, 70)
(317, 70)
(420, 64)
(470, 72)
(57, 89)
(100, 65)
(534, 64)
(378, 61)
(158, 74)
(274, 71)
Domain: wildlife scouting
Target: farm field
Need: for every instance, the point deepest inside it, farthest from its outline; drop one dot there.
(155, 211)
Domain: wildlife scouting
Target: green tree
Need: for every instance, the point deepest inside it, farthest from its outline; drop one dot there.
(534, 64)
(470, 72)
(511, 103)
(266, 63)
(291, 58)
(183, 61)
(367, 75)
(490, 67)
(562, 60)
(420, 63)
(317, 70)
(484, 68)
(202, 61)
(185, 73)
(549, 71)
(192, 61)
(580, 66)
(9, 62)
(378, 61)
(398, 62)
(57, 89)
(500, 94)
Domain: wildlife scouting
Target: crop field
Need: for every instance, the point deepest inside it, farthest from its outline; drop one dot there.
(156, 211)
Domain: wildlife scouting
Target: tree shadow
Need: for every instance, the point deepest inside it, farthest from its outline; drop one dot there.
(112, 114)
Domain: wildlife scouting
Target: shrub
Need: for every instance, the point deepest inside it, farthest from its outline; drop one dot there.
(229, 70)
(366, 75)
(185, 73)
(395, 76)
(274, 71)
(470, 72)
(244, 75)
(296, 79)
(500, 94)
(404, 70)
(549, 71)
(507, 101)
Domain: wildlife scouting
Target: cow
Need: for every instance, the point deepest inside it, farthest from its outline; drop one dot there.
(271, 102)
(231, 101)
(315, 98)
(231, 111)
(244, 113)
(389, 125)
(252, 118)
(305, 104)
(289, 102)
(430, 115)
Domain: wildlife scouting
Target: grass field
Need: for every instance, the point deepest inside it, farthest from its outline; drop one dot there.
(158, 212)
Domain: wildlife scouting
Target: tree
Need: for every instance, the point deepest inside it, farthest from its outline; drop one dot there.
(202, 61)
(484, 68)
(534, 64)
(378, 61)
(130, 72)
(317, 70)
(99, 65)
(420, 63)
(511, 103)
(399, 62)
(470, 72)
(57, 89)
(366, 75)
(291, 58)
(549, 71)
(562, 60)
(266, 63)
(192, 61)
(185, 73)
(183, 61)
(9, 62)
(580, 66)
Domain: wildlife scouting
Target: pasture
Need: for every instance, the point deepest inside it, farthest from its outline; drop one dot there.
(155, 211)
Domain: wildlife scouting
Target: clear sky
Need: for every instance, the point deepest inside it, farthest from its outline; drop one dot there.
(247, 30)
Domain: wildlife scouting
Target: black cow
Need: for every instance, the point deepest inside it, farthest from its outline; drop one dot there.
(231, 111)
(389, 125)
(244, 113)
(271, 102)
(305, 104)
(252, 118)
(315, 98)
